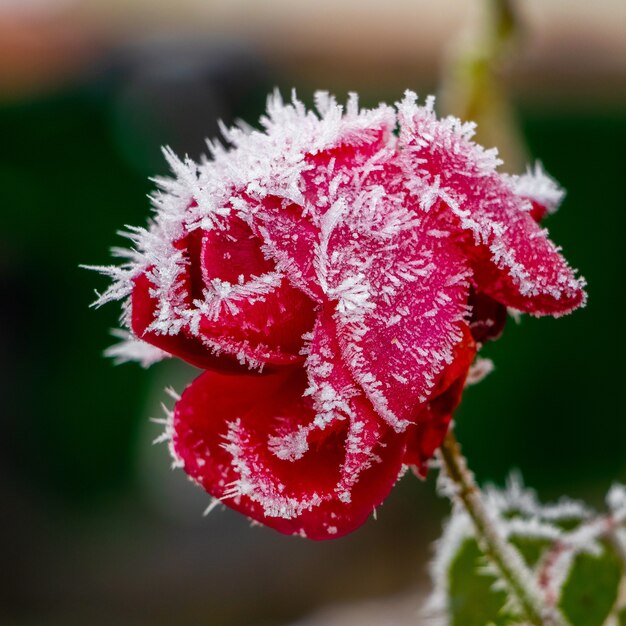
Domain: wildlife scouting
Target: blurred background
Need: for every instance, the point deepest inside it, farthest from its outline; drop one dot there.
(96, 529)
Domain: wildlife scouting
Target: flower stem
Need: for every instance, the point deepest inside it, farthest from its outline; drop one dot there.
(494, 545)
(473, 78)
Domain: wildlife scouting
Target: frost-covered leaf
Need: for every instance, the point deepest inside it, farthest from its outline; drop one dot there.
(572, 553)
(473, 600)
(476, 597)
(591, 588)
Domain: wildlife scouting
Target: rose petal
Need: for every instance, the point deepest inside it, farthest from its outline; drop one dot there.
(232, 254)
(513, 259)
(433, 421)
(234, 303)
(335, 396)
(291, 238)
(400, 343)
(398, 281)
(524, 270)
(297, 235)
(315, 465)
(240, 297)
(425, 438)
(183, 344)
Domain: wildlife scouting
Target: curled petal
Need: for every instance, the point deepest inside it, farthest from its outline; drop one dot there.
(226, 429)
(512, 257)
(202, 342)
(237, 296)
(524, 270)
(230, 300)
(183, 344)
(312, 463)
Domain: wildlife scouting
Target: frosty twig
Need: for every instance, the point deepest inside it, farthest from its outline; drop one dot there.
(502, 554)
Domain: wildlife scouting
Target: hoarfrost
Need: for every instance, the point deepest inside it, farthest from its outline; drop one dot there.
(536, 185)
(517, 513)
(132, 349)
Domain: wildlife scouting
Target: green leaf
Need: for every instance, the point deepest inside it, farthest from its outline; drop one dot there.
(591, 588)
(621, 617)
(471, 600)
(531, 548)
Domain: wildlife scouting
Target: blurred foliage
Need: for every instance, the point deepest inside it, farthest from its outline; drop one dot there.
(555, 407)
(71, 418)
(73, 169)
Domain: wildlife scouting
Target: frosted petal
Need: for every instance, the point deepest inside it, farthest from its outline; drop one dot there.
(434, 419)
(543, 192)
(227, 299)
(513, 258)
(312, 463)
(241, 336)
(297, 235)
(400, 345)
(182, 345)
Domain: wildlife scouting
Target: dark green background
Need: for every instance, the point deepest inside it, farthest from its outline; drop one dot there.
(79, 519)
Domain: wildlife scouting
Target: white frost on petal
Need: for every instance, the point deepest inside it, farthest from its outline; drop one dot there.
(254, 483)
(536, 185)
(132, 349)
(442, 163)
(222, 296)
(257, 164)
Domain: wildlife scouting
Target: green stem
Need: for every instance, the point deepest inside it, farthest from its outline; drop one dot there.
(494, 545)
(472, 85)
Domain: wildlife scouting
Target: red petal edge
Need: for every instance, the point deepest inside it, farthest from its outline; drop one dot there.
(433, 421)
(224, 428)
(182, 345)
(513, 260)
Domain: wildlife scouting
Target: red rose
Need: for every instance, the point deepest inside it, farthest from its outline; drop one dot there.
(335, 280)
